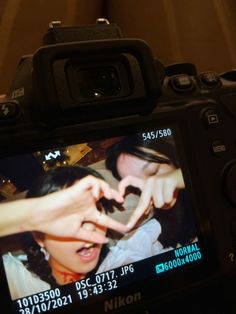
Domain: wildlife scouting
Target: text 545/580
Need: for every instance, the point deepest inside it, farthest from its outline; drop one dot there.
(156, 134)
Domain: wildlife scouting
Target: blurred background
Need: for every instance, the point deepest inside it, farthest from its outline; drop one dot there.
(195, 31)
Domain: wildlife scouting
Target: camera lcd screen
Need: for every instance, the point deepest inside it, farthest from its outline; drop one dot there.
(46, 273)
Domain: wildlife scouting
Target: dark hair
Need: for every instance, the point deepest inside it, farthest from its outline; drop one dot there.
(133, 145)
(177, 223)
(52, 181)
(58, 178)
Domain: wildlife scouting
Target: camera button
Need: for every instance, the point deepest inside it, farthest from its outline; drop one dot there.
(218, 147)
(182, 83)
(8, 110)
(210, 79)
(211, 117)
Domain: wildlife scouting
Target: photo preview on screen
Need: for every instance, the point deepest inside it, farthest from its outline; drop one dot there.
(46, 272)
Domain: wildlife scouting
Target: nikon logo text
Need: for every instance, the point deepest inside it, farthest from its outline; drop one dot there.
(121, 301)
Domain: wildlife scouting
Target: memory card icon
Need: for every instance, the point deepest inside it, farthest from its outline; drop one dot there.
(160, 268)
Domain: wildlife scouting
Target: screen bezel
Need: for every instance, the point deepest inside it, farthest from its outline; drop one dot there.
(181, 279)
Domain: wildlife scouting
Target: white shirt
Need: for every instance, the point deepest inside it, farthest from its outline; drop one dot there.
(137, 245)
(21, 281)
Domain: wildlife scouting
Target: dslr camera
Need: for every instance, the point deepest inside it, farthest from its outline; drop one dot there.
(82, 93)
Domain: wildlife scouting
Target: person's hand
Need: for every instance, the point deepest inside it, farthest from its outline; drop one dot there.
(63, 213)
(158, 190)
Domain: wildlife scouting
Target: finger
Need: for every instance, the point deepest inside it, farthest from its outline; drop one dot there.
(117, 196)
(91, 236)
(104, 190)
(130, 180)
(85, 184)
(106, 221)
(170, 205)
(143, 205)
(157, 194)
(95, 189)
(96, 186)
(110, 193)
(168, 193)
(150, 207)
(167, 198)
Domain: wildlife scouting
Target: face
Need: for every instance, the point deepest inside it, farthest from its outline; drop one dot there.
(131, 165)
(70, 258)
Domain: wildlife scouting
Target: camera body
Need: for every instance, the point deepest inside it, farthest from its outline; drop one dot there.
(85, 83)
(108, 69)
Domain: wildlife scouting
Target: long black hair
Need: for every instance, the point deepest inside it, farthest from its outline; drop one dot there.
(52, 181)
(134, 144)
(177, 222)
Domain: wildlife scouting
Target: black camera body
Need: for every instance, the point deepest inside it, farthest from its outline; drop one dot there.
(86, 83)
(109, 70)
